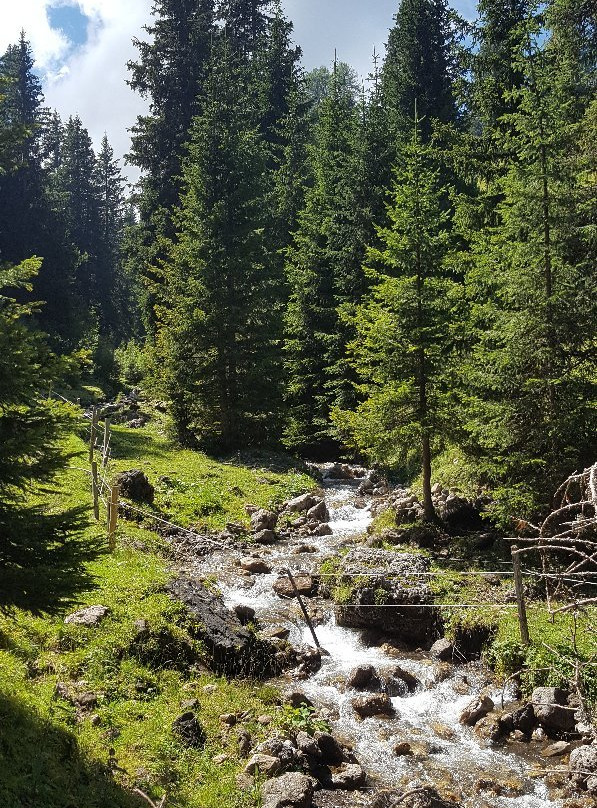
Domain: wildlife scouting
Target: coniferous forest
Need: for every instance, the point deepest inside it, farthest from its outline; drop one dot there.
(397, 271)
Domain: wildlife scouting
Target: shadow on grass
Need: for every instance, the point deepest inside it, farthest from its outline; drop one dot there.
(135, 444)
(42, 766)
(43, 559)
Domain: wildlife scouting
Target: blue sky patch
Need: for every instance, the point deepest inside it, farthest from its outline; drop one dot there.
(71, 21)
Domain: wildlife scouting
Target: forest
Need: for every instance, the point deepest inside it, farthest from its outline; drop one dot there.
(395, 272)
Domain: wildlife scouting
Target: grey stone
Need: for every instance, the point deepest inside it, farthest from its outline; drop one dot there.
(349, 778)
(263, 520)
(304, 583)
(551, 709)
(556, 749)
(189, 730)
(442, 650)
(308, 745)
(263, 764)
(583, 766)
(373, 704)
(331, 751)
(477, 710)
(301, 504)
(364, 678)
(319, 512)
(89, 617)
(257, 566)
(291, 790)
(265, 537)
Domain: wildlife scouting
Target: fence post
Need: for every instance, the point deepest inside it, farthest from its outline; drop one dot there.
(95, 490)
(93, 433)
(113, 516)
(303, 609)
(107, 424)
(522, 610)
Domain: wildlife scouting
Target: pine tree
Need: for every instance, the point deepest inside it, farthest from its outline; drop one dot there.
(219, 339)
(420, 67)
(532, 378)
(406, 325)
(324, 273)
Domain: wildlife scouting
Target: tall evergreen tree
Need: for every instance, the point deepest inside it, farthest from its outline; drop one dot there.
(406, 325)
(219, 337)
(324, 273)
(532, 378)
(420, 67)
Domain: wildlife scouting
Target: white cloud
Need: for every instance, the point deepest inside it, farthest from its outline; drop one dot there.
(89, 81)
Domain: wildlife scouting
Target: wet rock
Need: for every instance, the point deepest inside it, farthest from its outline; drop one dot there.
(583, 768)
(476, 710)
(403, 749)
(373, 704)
(301, 504)
(90, 617)
(331, 751)
(245, 614)
(414, 796)
(489, 728)
(265, 537)
(443, 731)
(135, 485)
(501, 788)
(523, 719)
(442, 650)
(309, 661)
(257, 566)
(263, 520)
(376, 603)
(349, 778)
(323, 530)
(291, 790)
(280, 633)
(401, 682)
(557, 749)
(551, 709)
(319, 512)
(263, 764)
(189, 730)
(538, 735)
(364, 678)
(305, 584)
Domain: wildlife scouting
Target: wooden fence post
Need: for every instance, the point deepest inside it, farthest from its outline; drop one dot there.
(107, 424)
(95, 490)
(93, 433)
(113, 516)
(518, 584)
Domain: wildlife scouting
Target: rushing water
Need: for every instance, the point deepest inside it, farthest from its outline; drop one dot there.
(445, 753)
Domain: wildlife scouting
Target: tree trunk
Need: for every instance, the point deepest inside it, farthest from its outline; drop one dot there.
(427, 501)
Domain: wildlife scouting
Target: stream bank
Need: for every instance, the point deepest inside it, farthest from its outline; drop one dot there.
(413, 738)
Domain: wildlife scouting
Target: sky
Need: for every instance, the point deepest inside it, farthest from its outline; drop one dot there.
(81, 48)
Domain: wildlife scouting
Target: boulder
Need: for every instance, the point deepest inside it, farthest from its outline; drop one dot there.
(297, 699)
(557, 749)
(364, 678)
(319, 512)
(522, 719)
(373, 704)
(442, 650)
(291, 790)
(349, 778)
(245, 614)
(308, 745)
(263, 520)
(135, 485)
(257, 566)
(583, 768)
(387, 602)
(323, 530)
(305, 584)
(231, 647)
(331, 751)
(89, 617)
(263, 764)
(476, 710)
(189, 730)
(279, 747)
(401, 679)
(301, 504)
(414, 796)
(489, 728)
(552, 711)
(459, 513)
(265, 537)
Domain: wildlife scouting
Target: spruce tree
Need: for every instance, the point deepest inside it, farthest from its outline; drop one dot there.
(324, 274)
(420, 67)
(531, 380)
(219, 331)
(405, 327)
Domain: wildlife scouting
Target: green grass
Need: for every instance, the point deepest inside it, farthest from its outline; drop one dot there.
(56, 756)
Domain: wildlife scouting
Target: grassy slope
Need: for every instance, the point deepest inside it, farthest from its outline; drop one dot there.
(52, 757)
